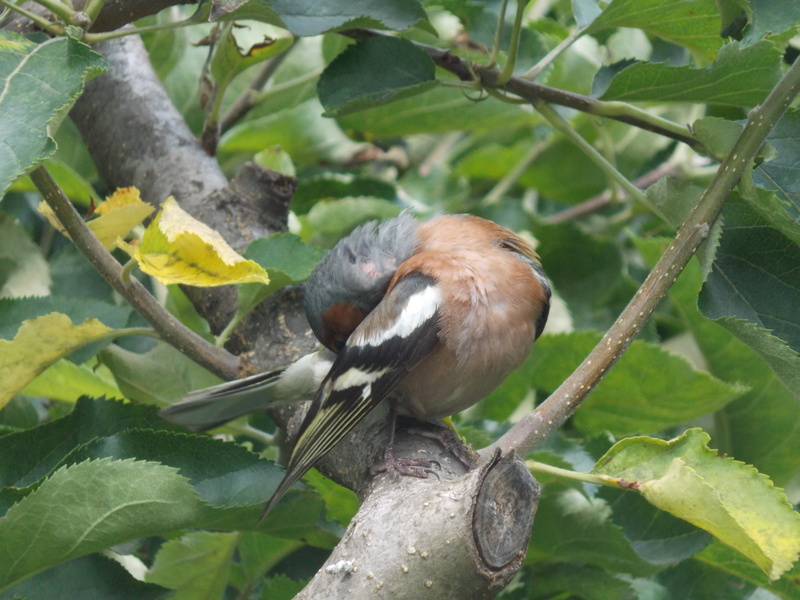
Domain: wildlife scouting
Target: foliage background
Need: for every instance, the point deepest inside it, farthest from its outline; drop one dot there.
(720, 352)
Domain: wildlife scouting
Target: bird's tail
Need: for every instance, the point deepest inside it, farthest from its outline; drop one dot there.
(211, 407)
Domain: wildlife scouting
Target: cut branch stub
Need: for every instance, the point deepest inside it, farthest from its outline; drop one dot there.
(504, 510)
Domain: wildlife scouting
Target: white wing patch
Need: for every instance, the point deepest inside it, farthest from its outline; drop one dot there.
(357, 377)
(420, 307)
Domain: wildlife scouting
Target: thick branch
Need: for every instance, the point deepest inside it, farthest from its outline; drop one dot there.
(534, 428)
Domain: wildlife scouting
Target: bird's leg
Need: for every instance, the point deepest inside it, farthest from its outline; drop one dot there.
(450, 441)
(402, 465)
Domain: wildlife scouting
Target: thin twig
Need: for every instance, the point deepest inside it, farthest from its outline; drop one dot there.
(599, 202)
(509, 179)
(561, 124)
(537, 69)
(38, 19)
(532, 91)
(171, 330)
(535, 427)
(247, 100)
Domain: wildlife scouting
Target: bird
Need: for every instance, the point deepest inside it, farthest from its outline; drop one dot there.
(427, 316)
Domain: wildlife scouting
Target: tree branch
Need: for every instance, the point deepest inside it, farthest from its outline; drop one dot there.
(535, 427)
(535, 92)
(666, 169)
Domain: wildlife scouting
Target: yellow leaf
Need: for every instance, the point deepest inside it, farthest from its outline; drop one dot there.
(38, 344)
(177, 248)
(121, 212)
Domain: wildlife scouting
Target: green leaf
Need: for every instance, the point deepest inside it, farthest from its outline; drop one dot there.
(578, 581)
(696, 580)
(728, 560)
(739, 77)
(39, 83)
(717, 135)
(100, 503)
(230, 483)
(280, 587)
(330, 221)
(159, 376)
(781, 173)
(72, 183)
(729, 499)
(372, 72)
(66, 381)
(223, 474)
(307, 17)
(328, 186)
(771, 17)
(586, 270)
(259, 552)
(276, 159)
(675, 199)
(23, 269)
(760, 427)
(694, 24)
(229, 60)
(648, 390)
(92, 577)
(754, 288)
(439, 110)
(27, 456)
(286, 259)
(340, 503)
(655, 535)
(571, 527)
(287, 253)
(197, 565)
(300, 130)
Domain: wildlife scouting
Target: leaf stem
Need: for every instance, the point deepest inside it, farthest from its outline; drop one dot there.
(93, 8)
(537, 69)
(39, 20)
(94, 38)
(561, 124)
(498, 34)
(168, 327)
(511, 61)
(59, 9)
(251, 96)
(496, 194)
(607, 480)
